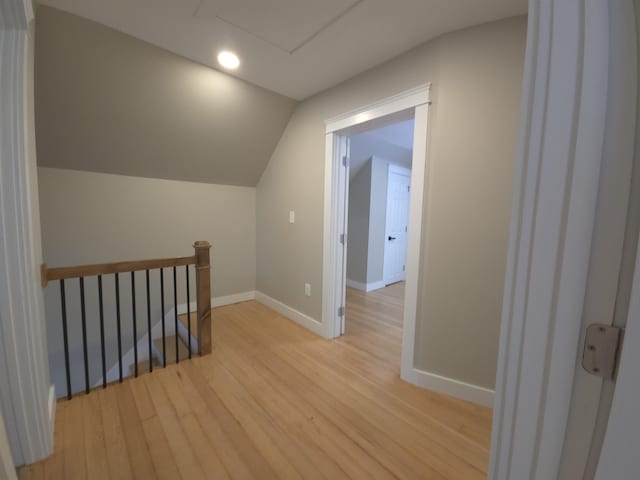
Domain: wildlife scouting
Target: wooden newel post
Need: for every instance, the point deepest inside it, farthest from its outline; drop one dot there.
(203, 296)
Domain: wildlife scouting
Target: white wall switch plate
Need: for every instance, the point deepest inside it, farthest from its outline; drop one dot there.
(292, 216)
(307, 289)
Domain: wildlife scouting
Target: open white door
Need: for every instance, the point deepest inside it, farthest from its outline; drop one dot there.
(619, 457)
(397, 222)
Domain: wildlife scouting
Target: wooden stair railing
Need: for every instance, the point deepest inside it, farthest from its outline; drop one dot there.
(201, 261)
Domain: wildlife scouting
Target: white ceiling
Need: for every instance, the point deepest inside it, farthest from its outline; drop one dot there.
(393, 142)
(399, 134)
(293, 47)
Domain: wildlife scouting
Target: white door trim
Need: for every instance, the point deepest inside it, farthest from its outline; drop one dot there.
(619, 457)
(412, 103)
(25, 396)
(562, 164)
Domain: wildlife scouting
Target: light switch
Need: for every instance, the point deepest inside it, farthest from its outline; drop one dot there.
(307, 289)
(292, 216)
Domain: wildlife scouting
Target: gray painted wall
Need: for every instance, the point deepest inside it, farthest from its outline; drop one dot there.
(476, 75)
(107, 102)
(92, 217)
(358, 234)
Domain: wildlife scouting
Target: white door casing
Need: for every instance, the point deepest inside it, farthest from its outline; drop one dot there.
(26, 396)
(412, 103)
(619, 456)
(571, 199)
(396, 224)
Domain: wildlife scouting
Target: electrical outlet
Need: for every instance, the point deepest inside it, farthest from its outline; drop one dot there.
(292, 216)
(307, 289)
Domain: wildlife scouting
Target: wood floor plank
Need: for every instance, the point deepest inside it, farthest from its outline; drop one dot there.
(256, 463)
(95, 448)
(188, 465)
(274, 400)
(137, 448)
(202, 449)
(221, 444)
(283, 424)
(362, 431)
(115, 443)
(162, 457)
(333, 453)
(74, 454)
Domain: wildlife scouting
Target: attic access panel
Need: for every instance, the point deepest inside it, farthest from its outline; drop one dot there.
(284, 24)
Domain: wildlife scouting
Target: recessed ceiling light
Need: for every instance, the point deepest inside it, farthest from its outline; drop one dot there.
(228, 60)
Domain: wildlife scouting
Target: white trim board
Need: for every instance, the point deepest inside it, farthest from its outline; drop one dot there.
(24, 366)
(567, 226)
(220, 301)
(449, 386)
(291, 313)
(412, 103)
(365, 287)
(390, 106)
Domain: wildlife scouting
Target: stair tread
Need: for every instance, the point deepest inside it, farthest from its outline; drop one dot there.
(194, 323)
(183, 349)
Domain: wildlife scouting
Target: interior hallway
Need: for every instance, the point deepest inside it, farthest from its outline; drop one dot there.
(275, 401)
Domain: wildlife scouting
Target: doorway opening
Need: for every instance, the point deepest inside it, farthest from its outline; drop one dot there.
(377, 224)
(409, 109)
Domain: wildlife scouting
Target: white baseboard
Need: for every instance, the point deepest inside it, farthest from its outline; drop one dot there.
(291, 313)
(449, 386)
(234, 298)
(52, 412)
(220, 301)
(365, 287)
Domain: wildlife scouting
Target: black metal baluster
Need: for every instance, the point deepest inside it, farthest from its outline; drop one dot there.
(175, 310)
(149, 320)
(63, 306)
(104, 360)
(135, 331)
(118, 326)
(83, 312)
(164, 346)
(186, 268)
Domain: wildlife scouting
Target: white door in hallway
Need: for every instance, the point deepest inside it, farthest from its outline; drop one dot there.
(395, 245)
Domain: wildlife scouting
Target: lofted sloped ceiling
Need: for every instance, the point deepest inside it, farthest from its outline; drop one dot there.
(111, 103)
(293, 47)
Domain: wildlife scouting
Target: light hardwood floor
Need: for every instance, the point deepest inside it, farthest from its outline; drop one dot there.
(275, 401)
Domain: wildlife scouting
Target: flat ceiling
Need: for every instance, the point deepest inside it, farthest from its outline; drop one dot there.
(293, 47)
(399, 134)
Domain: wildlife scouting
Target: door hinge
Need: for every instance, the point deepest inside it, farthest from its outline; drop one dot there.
(408, 188)
(602, 346)
(343, 238)
(345, 161)
(341, 311)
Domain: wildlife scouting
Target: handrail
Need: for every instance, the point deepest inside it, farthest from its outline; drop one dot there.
(200, 260)
(77, 271)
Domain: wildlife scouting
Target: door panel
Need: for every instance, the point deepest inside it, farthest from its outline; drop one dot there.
(395, 250)
(619, 456)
